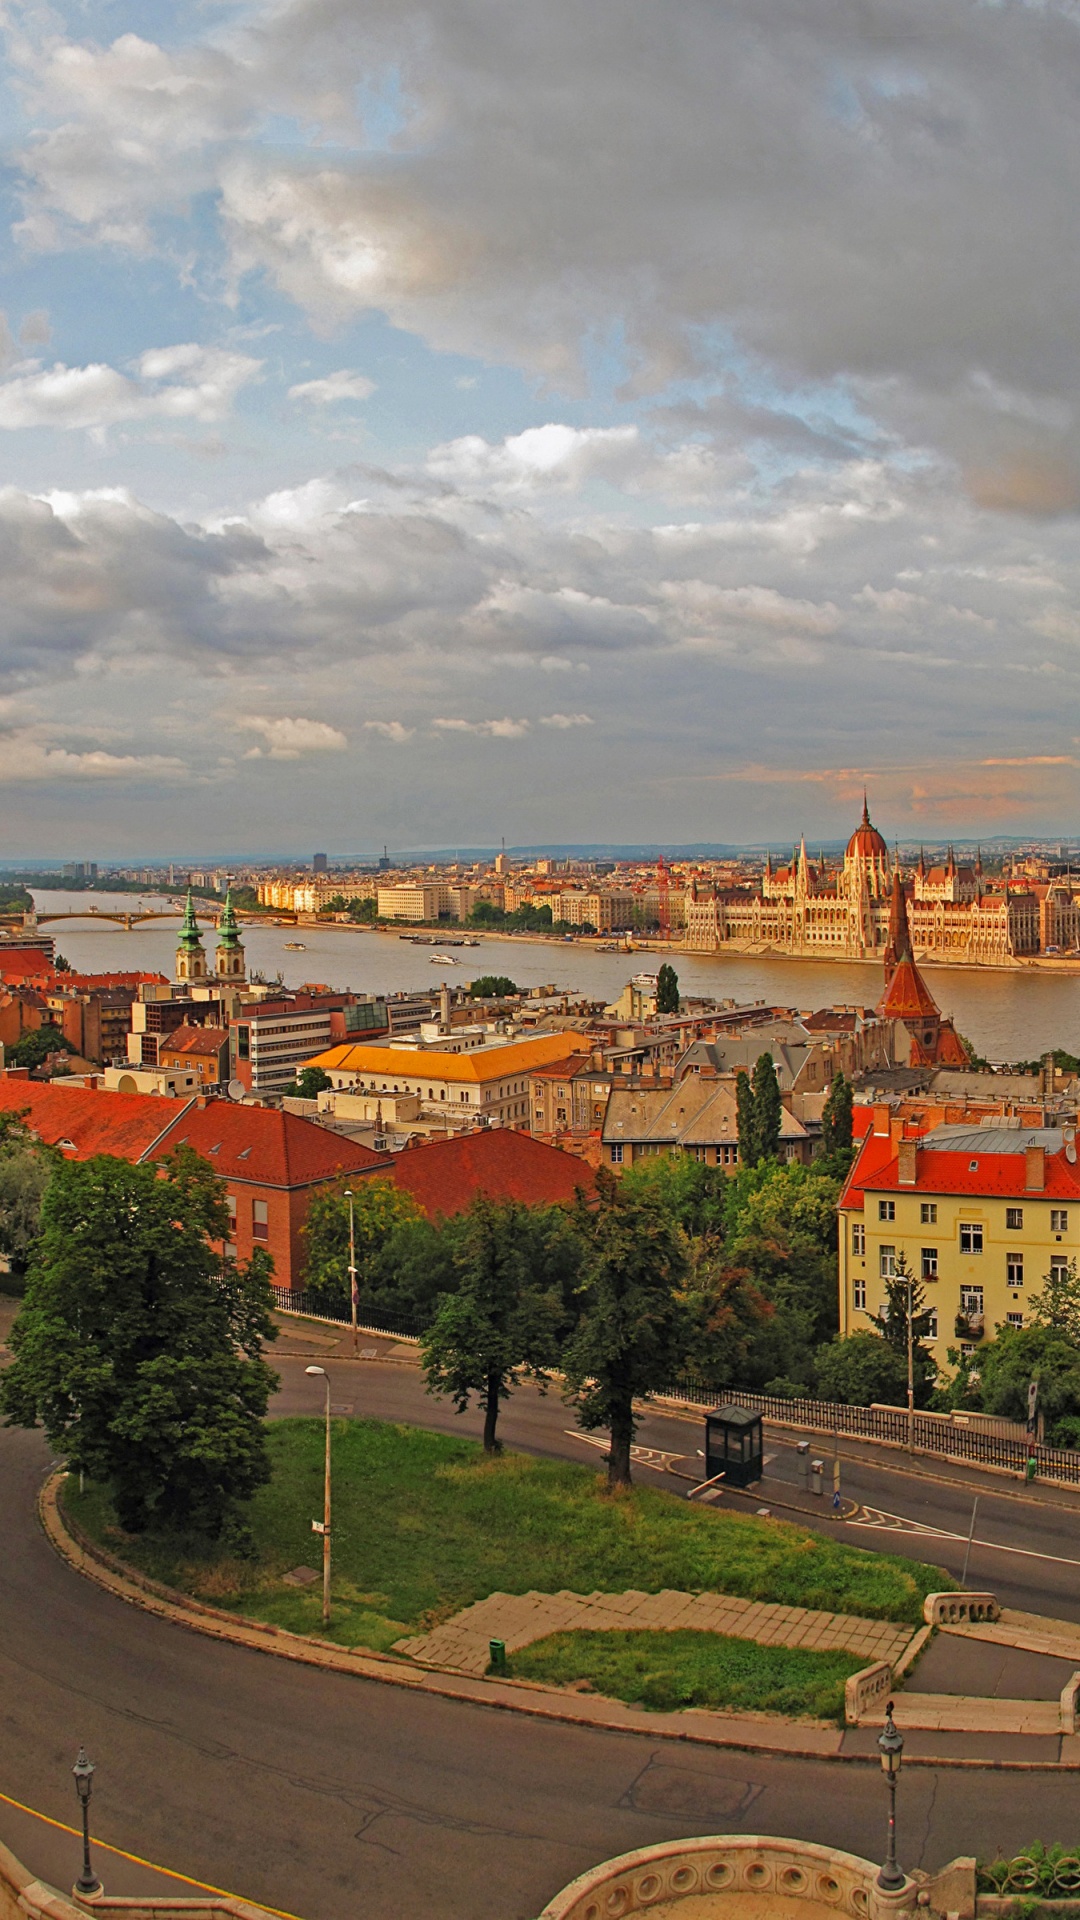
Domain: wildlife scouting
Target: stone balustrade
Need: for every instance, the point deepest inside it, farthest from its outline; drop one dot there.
(866, 1691)
(959, 1609)
(23, 1897)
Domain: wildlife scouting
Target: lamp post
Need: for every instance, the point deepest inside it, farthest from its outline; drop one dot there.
(891, 1749)
(323, 1526)
(87, 1884)
(354, 1302)
(910, 1374)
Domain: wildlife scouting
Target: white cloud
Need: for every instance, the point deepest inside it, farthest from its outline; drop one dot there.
(391, 730)
(186, 382)
(26, 756)
(334, 387)
(563, 721)
(288, 739)
(550, 456)
(506, 729)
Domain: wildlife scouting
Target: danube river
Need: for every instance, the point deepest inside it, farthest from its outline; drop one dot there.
(1008, 1015)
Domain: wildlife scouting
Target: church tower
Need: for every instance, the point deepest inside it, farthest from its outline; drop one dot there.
(190, 957)
(229, 959)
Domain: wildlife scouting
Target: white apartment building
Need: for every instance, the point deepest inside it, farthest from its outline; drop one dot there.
(419, 900)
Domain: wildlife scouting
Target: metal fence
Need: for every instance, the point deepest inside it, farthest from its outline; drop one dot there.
(368, 1319)
(889, 1426)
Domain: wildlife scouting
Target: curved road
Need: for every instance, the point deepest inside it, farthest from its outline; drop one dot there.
(321, 1795)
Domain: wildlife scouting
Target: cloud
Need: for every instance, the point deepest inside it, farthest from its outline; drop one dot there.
(288, 739)
(186, 382)
(548, 456)
(334, 387)
(391, 730)
(563, 721)
(506, 729)
(25, 756)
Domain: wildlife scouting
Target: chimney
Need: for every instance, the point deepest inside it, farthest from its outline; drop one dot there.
(1035, 1169)
(907, 1162)
(881, 1120)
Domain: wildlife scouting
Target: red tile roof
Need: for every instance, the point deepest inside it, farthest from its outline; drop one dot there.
(264, 1145)
(973, 1173)
(24, 963)
(445, 1176)
(194, 1040)
(83, 1121)
(907, 996)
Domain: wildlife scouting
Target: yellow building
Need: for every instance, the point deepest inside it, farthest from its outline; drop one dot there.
(982, 1213)
(489, 1084)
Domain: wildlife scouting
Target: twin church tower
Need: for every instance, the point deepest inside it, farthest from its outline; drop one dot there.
(191, 962)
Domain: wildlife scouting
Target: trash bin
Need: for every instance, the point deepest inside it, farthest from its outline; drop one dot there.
(497, 1649)
(1031, 1470)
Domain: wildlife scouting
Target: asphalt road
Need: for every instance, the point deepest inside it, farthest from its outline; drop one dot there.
(321, 1795)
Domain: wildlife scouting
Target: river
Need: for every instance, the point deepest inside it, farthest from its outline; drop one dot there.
(1007, 1015)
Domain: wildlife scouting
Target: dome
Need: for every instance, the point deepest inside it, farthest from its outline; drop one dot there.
(866, 842)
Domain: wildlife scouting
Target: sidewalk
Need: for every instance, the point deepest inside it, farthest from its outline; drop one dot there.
(461, 1644)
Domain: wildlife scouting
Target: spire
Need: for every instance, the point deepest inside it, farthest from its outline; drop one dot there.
(228, 925)
(190, 937)
(921, 868)
(865, 810)
(229, 963)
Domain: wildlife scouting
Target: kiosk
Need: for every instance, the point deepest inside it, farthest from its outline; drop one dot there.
(733, 1445)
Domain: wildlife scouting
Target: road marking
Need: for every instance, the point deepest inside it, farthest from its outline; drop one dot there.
(138, 1861)
(641, 1456)
(899, 1523)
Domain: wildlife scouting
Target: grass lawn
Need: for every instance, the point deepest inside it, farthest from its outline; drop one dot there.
(684, 1668)
(423, 1525)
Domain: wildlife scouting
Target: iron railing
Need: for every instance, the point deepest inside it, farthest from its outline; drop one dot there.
(369, 1319)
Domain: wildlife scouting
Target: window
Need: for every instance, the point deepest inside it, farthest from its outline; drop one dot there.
(242, 1043)
(929, 1263)
(260, 1220)
(1014, 1269)
(887, 1263)
(931, 1328)
(616, 1153)
(971, 1302)
(1014, 1218)
(858, 1238)
(858, 1296)
(1014, 1319)
(1059, 1267)
(1059, 1220)
(928, 1213)
(886, 1209)
(971, 1236)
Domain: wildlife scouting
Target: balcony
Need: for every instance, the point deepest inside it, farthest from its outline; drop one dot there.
(970, 1324)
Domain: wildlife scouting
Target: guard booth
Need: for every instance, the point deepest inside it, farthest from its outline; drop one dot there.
(733, 1445)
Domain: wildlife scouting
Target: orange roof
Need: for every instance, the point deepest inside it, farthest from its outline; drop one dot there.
(971, 1171)
(563, 1069)
(194, 1040)
(866, 839)
(445, 1176)
(24, 963)
(479, 1067)
(82, 1121)
(907, 996)
(264, 1145)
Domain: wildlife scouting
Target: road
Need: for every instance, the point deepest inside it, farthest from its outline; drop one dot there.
(317, 1793)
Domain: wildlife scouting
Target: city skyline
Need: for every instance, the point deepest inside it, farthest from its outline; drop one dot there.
(415, 418)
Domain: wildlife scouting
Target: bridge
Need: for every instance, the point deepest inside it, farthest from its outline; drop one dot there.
(32, 921)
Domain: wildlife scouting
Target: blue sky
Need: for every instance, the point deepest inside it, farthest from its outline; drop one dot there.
(421, 422)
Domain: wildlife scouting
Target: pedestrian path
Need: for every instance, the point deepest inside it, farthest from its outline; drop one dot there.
(1034, 1632)
(462, 1644)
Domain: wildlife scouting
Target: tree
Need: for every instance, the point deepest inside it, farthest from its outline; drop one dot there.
(309, 1083)
(26, 1167)
(782, 1230)
(138, 1350)
(836, 1117)
(746, 1120)
(768, 1111)
(1058, 1305)
(667, 990)
(492, 986)
(499, 1325)
(634, 1327)
(861, 1369)
(1043, 1353)
(692, 1195)
(378, 1209)
(892, 1324)
(35, 1047)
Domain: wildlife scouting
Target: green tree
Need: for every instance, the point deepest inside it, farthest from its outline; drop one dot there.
(667, 990)
(498, 1325)
(26, 1167)
(836, 1118)
(309, 1083)
(139, 1353)
(746, 1120)
(1046, 1354)
(861, 1369)
(492, 986)
(379, 1208)
(35, 1047)
(634, 1328)
(692, 1195)
(892, 1324)
(768, 1111)
(486, 914)
(782, 1230)
(1058, 1305)
(364, 911)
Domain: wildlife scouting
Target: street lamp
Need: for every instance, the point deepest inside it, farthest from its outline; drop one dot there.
(891, 1749)
(323, 1526)
(87, 1883)
(353, 1296)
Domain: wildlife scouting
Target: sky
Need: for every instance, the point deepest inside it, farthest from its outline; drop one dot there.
(432, 421)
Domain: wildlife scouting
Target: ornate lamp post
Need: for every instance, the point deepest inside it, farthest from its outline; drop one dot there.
(87, 1884)
(353, 1297)
(891, 1749)
(323, 1526)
